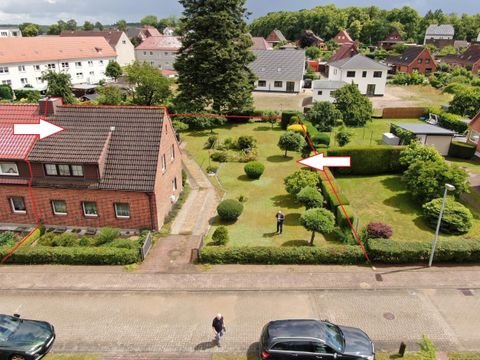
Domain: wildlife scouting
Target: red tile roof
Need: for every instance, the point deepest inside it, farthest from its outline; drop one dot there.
(16, 146)
(343, 37)
(54, 48)
(168, 43)
(259, 43)
(345, 51)
(112, 36)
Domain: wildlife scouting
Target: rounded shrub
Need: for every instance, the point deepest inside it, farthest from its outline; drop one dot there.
(254, 169)
(321, 139)
(220, 236)
(219, 156)
(456, 219)
(297, 128)
(310, 197)
(379, 231)
(229, 210)
(106, 235)
(246, 142)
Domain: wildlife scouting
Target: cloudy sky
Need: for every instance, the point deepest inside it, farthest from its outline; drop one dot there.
(109, 11)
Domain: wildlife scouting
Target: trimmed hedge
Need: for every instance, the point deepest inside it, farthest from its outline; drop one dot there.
(462, 150)
(321, 139)
(254, 169)
(370, 160)
(286, 116)
(452, 122)
(73, 256)
(403, 252)
(328, 193)
(341, 219)
(311, 130)
(229, 210)
(330, 254)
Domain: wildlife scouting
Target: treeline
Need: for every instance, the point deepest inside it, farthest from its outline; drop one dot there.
(367, 24)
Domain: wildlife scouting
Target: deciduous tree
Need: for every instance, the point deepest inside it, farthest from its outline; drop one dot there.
(113, 69)
(318, 220)
(356, 109)
(324, 115)
(291, 141)
(151, 87)
(59, 85)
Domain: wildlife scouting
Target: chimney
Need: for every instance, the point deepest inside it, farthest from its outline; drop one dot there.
(48, 106)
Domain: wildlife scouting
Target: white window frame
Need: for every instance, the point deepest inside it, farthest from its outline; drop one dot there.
(55, 212)
(13, 205)
(9, 174)
(90, 63)
(36, 67)
(6, 82)
(51, 66)
(21, 68)
(65, 65)
(4, 70)
(24, 81)
(78, 64)
(89, 215)
(121, 216)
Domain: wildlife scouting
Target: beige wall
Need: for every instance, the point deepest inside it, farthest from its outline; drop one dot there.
(441, 143)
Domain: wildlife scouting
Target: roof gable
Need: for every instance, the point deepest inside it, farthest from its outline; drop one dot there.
(409, 55)
(394, 36)
(276, 36)
(259, 43)
(345, 51)
(282, 65)
(343, 37)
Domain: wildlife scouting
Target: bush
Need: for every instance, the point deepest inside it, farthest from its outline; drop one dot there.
(452, 122)
(291, 141)
(229, 210)
(246, 142)
(343, 136)
(106, 235)
(299, 180)
(211, 142)
(342, 219)
(323, 115)
(305, 255)
(456, 219)
(65, 240)
(344, 235)
(311, 130)
(254, 169)
(286, 116)
(321, 139)
(409, 79)
(220, 236)
(379, 230)
(462, 150)
(212, 169)
(123, 244)
(6, 238)
(370, 160)
(403, 252)
(328, 192)
(298, 128)
(86, 241)
(310, 197)
(219, 156)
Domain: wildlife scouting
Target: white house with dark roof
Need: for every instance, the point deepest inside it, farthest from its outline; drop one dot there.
(323, 89)
(369, 75)
(279, 70)
(439, 32)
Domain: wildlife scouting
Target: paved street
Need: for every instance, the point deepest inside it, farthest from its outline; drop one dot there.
(176, 322)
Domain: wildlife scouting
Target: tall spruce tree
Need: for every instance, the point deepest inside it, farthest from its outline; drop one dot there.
(212, 63)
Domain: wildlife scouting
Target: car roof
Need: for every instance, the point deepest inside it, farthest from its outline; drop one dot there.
(296, 328)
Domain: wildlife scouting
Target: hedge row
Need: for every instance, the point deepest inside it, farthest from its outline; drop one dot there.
(368, 160)
(332, 254)
(452, 122)
(402, 252)
(72, 255)
(462, 150)
(332, 199)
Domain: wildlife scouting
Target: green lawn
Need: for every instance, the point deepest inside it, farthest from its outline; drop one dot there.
(472, 166)
(385, 199)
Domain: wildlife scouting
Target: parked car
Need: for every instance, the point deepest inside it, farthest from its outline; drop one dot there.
(22, 339)
(314, 339)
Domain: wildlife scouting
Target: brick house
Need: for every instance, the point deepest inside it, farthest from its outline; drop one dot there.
(342, 38)
(112, 166)
(275, 37)
(414, 58)
(394, 38)
(347, 50)
(469, 59)
(474, 132)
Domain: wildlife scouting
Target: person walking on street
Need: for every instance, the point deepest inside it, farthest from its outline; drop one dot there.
(218, 327)
(280, 219)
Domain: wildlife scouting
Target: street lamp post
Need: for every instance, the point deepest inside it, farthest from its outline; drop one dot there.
(448, 188)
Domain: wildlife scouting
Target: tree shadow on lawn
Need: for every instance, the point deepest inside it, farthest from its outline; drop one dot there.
(420, 223)
(394, 184)
(245, 178)
(403, 203)
(285, 201)
(279, 158)
(264, 128)
(269, 235)
(215, 220)
(294, 243)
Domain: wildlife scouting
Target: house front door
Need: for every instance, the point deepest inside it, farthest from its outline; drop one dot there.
(290, 86)
(370, 89)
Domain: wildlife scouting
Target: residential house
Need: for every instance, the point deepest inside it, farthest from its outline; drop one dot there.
(414, 58)
(278, 70)
(345, 51)
(474, 132)
(275, 37)
(259, 43)
(323, 89)
(342, 38)
(431, 135)
(369, 75)
(439, 35)
(159, 51)
(115, 166)
(28, 58)
(7, 31)
(394, 38)
(138, 35)
(470, 59)
(118, 40)
(168, 31)
(312, 39)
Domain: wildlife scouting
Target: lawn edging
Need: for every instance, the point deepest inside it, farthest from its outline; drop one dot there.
(331, 254)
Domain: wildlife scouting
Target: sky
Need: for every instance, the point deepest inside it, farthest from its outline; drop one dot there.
(109, 11)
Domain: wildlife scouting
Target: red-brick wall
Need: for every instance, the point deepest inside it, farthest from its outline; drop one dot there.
(90, 172)
(163, 184)
(140, 216)
(422, 68)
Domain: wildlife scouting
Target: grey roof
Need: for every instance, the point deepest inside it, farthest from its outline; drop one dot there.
(360, 62)
(438, 30)
(426, 129)
(328, 84)
(286, 65)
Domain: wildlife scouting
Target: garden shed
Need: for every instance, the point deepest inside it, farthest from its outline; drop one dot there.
(435, 136)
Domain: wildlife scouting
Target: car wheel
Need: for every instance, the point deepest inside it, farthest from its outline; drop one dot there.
(17, 357)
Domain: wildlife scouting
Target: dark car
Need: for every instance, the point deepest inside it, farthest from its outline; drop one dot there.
(22, 339)
(314, 339)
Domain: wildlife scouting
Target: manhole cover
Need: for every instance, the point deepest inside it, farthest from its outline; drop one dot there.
(389, 316)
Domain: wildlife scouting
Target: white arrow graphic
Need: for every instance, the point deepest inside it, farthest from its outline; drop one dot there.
(43, 129)
(319, 161)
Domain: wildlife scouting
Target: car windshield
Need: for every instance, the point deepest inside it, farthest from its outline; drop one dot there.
(334, 337)
(8, 325)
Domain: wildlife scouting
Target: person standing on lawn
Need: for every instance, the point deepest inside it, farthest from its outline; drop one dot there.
(280, 219)
(218, 327)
